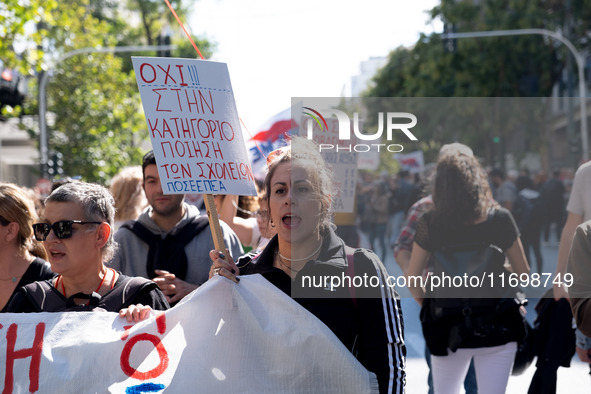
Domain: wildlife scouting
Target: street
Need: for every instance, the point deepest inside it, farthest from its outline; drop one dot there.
(575, 379)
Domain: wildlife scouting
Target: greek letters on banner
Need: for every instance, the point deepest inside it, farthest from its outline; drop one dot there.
(194, 126)
(222, 338)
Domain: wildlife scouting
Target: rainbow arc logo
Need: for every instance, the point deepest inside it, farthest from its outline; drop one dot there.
(317, 116)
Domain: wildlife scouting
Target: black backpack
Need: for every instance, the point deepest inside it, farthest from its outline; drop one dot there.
(45, 298)
(468, 261)
(471, 297)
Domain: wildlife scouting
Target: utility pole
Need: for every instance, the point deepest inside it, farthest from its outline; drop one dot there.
(572, 145)
(579, 58)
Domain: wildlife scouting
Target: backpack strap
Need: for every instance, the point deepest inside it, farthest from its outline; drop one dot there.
(168, 253)
(121, 295)
(350, 272)
(43, 297)
(140, 230)
(190, 230)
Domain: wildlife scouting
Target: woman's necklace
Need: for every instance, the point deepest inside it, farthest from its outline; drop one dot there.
(15, 278)
(283, 264)
(304, 258)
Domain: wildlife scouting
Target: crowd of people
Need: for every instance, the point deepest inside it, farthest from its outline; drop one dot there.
(537, 204)
(132, 249)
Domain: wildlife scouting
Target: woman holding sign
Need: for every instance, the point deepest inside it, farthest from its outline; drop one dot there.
(367, 320)
(77, 236)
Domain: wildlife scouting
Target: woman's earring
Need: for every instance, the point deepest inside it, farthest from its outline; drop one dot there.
(272, 224)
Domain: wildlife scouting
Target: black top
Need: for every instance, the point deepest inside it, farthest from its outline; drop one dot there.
(500, 230)
(141, 293)
(39, 269)
(368, 321)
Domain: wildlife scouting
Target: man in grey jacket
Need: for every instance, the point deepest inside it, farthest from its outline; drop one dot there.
(170, 241)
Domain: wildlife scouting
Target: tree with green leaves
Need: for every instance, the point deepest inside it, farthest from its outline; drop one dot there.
(94, 107)
(499, 67)
(21, 41)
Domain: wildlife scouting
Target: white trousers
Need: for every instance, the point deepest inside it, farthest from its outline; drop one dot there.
(492, 364)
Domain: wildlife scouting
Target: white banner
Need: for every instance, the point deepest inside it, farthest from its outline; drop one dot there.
(223, 338)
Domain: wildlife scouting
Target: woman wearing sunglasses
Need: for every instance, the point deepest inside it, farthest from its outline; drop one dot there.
(76, 232)
(18, 265)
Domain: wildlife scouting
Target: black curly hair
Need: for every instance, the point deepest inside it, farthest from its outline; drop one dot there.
(461, 193)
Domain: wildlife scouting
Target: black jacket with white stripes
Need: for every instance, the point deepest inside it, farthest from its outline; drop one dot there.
(363, 312)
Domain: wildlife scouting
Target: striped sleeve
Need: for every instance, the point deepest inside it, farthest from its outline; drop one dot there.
(380, 345)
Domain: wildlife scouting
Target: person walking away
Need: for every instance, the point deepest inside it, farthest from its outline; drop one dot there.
(458, 330)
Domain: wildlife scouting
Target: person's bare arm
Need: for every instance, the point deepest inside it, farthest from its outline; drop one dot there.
(403, 258)
(418, 260)
(242, 227)
(517, 259)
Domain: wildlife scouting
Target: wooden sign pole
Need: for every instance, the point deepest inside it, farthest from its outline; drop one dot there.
(214, 224)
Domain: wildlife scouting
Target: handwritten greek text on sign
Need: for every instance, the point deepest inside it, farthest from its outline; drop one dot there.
(342, 163)
(194, 126)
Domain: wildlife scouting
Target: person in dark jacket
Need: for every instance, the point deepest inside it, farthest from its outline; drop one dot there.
(553, 191)
(18, 264)
(554, 342)
(367, 320)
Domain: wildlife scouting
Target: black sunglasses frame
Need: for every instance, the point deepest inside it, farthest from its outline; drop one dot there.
(62, 229)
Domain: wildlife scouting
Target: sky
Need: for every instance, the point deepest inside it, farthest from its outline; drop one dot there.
(277, 49)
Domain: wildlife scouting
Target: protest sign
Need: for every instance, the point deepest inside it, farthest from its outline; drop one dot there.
(412, 162)
(342, 163)
(194, 126)
(341, 159)
(222, 338)
(369, 161)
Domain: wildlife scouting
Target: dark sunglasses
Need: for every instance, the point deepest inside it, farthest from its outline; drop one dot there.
(61, 229)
